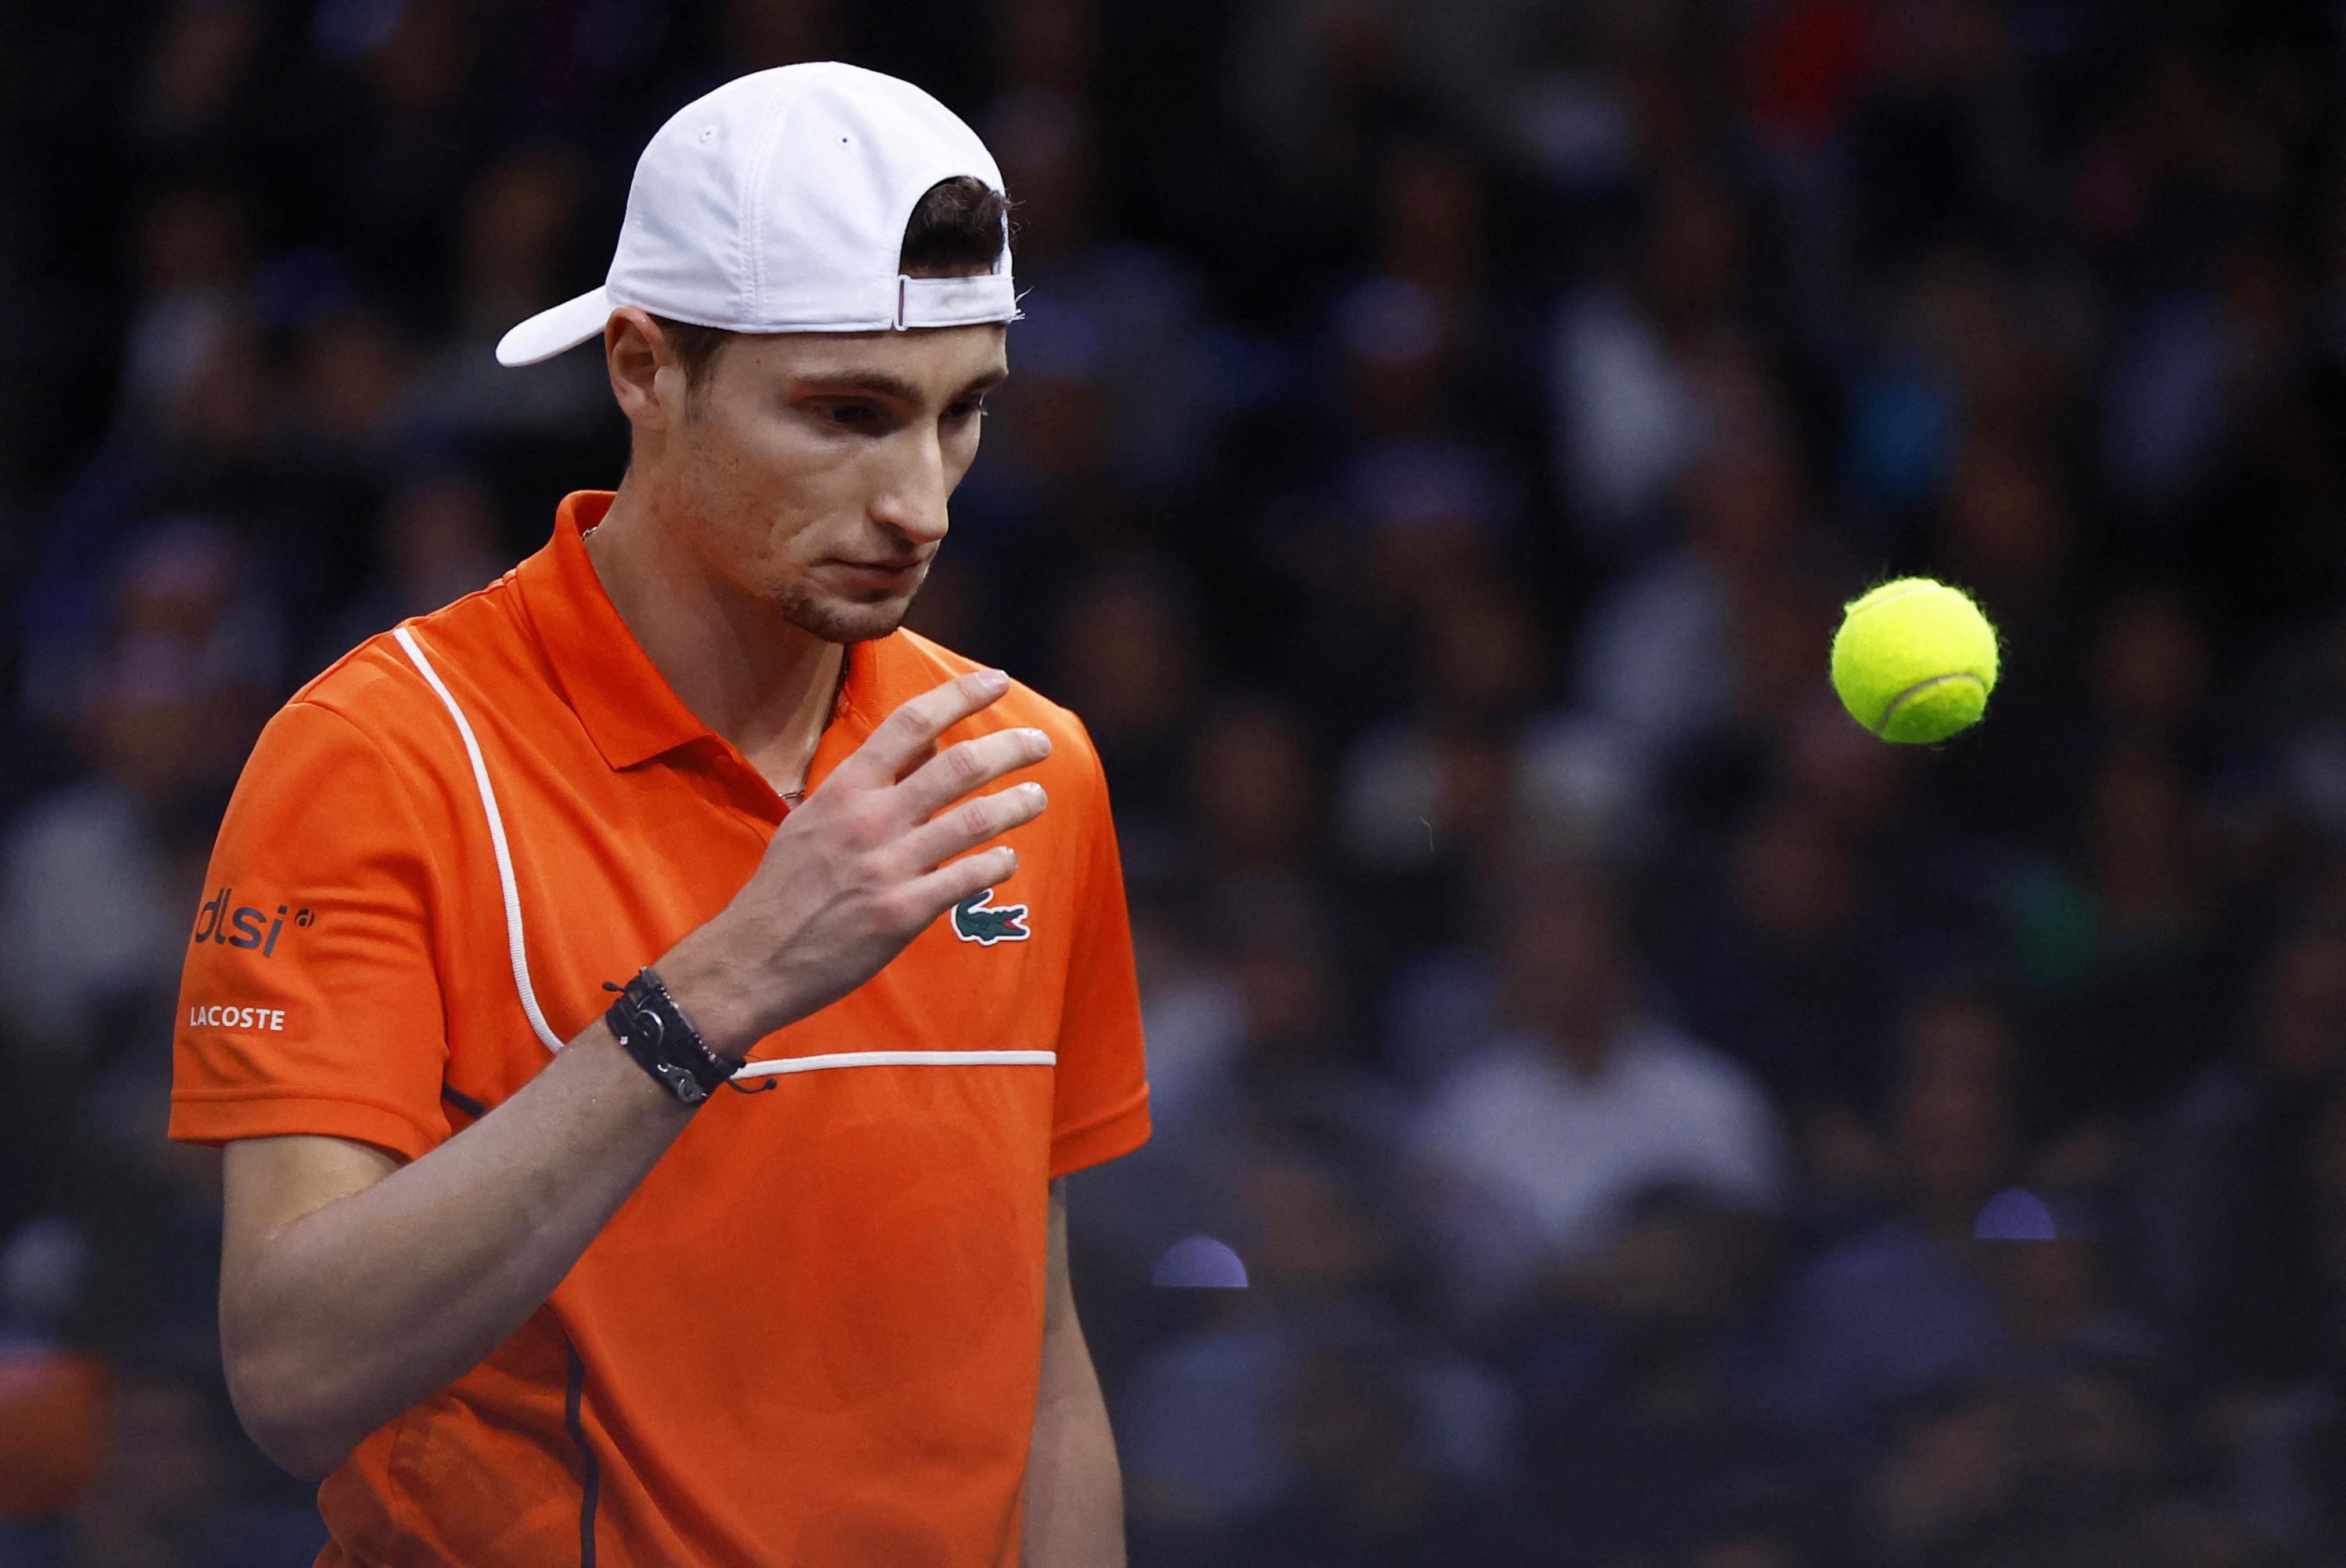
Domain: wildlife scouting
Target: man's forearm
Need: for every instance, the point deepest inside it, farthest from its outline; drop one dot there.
(1074, 1490)
(354, 1312)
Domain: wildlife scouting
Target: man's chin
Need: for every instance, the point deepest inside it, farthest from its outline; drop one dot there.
(838, 620)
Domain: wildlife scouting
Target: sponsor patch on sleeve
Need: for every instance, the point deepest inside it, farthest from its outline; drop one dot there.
(248, 1018)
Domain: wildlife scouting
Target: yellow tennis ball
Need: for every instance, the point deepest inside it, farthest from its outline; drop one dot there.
(1914, 661)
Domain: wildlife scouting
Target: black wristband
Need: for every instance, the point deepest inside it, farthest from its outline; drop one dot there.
(654, 1030)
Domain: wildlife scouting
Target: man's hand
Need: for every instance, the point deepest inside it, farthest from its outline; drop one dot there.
(861, 868)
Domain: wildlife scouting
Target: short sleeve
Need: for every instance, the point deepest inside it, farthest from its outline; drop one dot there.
(310, 1002)
(1099, 1106)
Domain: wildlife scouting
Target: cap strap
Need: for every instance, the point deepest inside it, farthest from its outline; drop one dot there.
(956, 301)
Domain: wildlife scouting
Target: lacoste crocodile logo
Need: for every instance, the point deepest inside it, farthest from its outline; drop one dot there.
(974, 919)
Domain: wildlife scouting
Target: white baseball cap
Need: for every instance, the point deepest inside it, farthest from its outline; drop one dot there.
(778, 204)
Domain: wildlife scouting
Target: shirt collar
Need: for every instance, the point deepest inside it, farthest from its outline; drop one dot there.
(627, 706)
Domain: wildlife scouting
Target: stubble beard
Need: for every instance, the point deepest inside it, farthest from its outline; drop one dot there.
(834, 622)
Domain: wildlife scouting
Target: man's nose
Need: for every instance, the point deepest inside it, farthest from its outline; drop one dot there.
(911, 501)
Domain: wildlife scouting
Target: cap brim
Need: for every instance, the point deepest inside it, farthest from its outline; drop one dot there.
(550, 332)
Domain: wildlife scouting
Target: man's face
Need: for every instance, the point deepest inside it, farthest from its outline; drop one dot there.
(811, 470)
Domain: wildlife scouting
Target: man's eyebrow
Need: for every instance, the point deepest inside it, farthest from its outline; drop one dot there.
(880, 384)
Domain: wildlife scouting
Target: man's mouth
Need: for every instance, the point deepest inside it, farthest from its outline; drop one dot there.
(889, 574)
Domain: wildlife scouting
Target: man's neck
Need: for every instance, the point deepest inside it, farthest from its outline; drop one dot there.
(745, 671)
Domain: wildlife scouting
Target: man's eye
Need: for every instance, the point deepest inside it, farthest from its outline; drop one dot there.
(967, 409)
(852, 415)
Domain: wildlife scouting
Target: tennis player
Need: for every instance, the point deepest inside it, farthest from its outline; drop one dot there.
(647, 1004)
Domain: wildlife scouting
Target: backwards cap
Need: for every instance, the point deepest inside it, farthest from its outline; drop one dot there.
(778, 204)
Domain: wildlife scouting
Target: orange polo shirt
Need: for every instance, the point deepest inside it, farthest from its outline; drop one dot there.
(812, 1336)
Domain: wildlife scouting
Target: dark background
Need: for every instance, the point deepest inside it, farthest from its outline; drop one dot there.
(1440, 444)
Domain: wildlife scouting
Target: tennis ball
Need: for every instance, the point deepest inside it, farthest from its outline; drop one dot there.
(1914, 661)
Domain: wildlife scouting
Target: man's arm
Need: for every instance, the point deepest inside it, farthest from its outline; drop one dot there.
(352, 1285)
(1074, 1493)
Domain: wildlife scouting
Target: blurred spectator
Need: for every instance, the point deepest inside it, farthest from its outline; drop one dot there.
(1209, 1442)
(1666, 653)
(1632, 364)
(54, 1407)
(2150, 671)
(1950, 1476)
(193, 255)
(1531, 1146)
(1424, 800)
(1907, 1302)
(2120, 960)
(514, 255)
(1643, 1426)
(172, 1495)
(2073, 1467)
(1126, 658)
(2231, 1243)
(1786, 953)
(97, 879)
(1139, 309)
(2196, 362)
(1364, 1490)
(437, 541)
(1254, 792)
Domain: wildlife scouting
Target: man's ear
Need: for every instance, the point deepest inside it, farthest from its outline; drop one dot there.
(644, 376)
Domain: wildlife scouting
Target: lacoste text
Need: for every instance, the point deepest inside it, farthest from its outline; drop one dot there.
(218, 1016)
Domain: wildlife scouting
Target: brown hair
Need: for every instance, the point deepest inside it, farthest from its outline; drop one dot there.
(956, 229)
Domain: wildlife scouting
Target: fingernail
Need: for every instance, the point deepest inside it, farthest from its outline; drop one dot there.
(1034, 792)
(1039, 741)
(993, 682)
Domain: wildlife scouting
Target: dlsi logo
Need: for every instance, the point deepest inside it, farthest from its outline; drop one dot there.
(215, 919)
(974, 919)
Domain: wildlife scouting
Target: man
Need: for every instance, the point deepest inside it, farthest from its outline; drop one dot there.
(767, 1263)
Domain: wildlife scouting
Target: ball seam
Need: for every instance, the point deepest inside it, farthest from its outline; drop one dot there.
(1919, 686)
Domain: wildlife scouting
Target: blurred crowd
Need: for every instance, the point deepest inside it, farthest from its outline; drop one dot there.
(1611, 1111)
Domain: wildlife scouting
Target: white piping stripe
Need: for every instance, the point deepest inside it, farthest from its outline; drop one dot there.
(900, 1059)
(496, 840)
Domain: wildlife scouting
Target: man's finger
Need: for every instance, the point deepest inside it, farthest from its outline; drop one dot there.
(919, 760)
(973, 822)
(888, 751)
(970, 765)
(948, 885)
